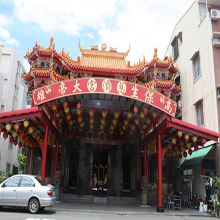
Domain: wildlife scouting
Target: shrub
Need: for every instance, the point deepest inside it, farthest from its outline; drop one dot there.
(21, 162)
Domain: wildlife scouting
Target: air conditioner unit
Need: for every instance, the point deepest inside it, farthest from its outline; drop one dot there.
(215, 14)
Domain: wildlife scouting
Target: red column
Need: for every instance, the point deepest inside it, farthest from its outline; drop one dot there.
(167, 175)
(160, 158)
(145, 159)
(32, 158)
(26, 161)
(44, 153)
(56, 155)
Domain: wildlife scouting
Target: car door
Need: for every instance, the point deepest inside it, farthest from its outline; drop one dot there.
(9, 191)
(25, 190)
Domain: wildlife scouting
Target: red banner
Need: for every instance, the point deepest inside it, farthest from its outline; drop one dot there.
(105, 86)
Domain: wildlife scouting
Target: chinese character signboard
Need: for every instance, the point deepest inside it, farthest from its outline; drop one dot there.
(106, 86)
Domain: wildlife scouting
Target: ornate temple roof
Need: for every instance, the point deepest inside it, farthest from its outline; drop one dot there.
(48, 66)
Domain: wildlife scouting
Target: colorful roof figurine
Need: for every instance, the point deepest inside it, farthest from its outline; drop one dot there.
(48, 66)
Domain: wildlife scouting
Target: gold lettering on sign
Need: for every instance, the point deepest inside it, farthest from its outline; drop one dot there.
(121, 88)
(134, 88)
(40, 95)
(162, 99)
(76, 87)
(149, 97)
(106, 85)
(62, 89)
(48, 90)
(92, 85)
(168, 107)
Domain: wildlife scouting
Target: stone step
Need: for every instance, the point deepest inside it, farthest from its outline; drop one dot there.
(95, 199)
(123, 200)
(75, 198)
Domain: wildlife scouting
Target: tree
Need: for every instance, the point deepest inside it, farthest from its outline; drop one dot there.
(21, 161)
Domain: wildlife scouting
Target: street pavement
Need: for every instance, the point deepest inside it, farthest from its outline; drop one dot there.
(95, 211)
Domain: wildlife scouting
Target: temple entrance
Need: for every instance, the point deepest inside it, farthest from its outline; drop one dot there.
(100, 171)
(74, 162)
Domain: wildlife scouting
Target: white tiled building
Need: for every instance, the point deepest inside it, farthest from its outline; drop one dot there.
(192, 48)
(13, 94)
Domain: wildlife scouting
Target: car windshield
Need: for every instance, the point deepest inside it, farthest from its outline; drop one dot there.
(42, 183)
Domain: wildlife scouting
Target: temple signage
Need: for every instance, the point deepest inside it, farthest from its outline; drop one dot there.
(106, 86)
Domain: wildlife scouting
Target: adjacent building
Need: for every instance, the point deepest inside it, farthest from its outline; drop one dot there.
(13, 94)
(194, 46)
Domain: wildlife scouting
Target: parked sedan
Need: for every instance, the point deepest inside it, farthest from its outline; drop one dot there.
(27, 191)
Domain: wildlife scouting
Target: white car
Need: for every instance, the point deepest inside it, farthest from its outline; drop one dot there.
(27, 191)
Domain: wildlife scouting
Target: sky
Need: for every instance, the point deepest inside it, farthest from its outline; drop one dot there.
(142, 24)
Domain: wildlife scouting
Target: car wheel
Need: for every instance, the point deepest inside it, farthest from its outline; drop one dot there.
(33, 206)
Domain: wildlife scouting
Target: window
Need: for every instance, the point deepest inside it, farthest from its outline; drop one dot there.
(10, 146)
(19, 67)
(8, 167)
(175, 47)
(13, 182)
(196, 65)
(27, 182)
(16, 92)
(199, 111)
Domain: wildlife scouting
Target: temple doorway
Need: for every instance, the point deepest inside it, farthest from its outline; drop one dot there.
(74, 162)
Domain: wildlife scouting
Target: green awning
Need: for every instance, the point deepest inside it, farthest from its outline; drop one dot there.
(193, 161)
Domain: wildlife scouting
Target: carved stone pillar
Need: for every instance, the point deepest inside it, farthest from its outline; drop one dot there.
(138, 170)
(66, 169)
(91, 171)
(118, 178)
(109, 172)
(82, 163)
(62, 161)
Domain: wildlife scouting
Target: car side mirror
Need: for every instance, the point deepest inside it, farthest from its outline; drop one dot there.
(3, 185)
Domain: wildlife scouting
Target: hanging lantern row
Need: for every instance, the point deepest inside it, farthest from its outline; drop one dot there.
(91, 120)
(15, 138)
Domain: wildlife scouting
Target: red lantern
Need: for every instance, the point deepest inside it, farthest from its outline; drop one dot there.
(196, 147)
(53, 103)
(15, 142)
(21, 134)
(65, 104)
(176, 148)
(181, 143)
(26, 138)
(0, 129)
(5, 135)
(186, 137)
(180, 156)
(16, 127)
(11, 140)
(203, 141)
(190, 151)
(135, 110)
(78, 106)
(145, 110)
(184, 154)
(20, 144)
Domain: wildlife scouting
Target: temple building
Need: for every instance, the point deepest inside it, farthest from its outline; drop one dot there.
(104, 122)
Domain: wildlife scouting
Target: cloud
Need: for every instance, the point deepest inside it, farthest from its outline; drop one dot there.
(69, 16)
(145, 25)
(4, 20)
(12, 42)
(4, 33)
(90, 35)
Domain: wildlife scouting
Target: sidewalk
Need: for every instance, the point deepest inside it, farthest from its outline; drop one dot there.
(123, 209)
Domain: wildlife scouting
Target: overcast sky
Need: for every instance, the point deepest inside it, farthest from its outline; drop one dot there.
(144, 24)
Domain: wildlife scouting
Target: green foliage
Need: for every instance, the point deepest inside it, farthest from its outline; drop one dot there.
(21, 161)
(80, 187)
(2, 176)
(218, 182)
